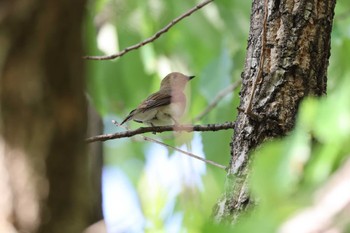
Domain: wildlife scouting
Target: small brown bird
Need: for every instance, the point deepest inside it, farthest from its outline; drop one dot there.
(164, 107)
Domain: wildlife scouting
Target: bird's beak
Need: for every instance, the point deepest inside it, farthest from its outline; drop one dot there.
(191, 77)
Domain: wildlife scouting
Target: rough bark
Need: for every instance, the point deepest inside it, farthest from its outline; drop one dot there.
(287, 59)
(42, 117)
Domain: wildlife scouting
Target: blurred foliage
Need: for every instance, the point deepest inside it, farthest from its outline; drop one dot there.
(211, 44)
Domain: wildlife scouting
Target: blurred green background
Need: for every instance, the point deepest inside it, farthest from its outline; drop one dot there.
(210, 44)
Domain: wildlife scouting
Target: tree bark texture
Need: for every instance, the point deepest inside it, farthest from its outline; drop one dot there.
(287, 59)
(43, 158)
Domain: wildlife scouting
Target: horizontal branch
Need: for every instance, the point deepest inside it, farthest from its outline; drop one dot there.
(175, 148)
(159, 129)
(152, 38)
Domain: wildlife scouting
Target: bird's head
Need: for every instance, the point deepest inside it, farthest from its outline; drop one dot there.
(175, 80)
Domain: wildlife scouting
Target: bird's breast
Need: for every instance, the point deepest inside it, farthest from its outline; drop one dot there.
(175, 109)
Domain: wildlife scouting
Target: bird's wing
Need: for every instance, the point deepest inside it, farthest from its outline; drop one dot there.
(131, 114)
(155, 100)
(163, 98)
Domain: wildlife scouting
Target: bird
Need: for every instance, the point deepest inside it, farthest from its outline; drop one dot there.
(165, 106)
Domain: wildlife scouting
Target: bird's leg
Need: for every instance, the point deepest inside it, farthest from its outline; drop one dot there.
(152, 126)
(176, 123)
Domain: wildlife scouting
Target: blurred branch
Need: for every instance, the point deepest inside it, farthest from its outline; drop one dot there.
(185, 152)
(342, 16)
(217, 99)
(331, 204)
(159, 129)
(152, 38)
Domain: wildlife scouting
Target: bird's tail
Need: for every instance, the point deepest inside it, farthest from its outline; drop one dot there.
(129, 117)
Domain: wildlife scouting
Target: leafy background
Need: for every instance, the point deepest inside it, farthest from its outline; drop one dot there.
(148, 188)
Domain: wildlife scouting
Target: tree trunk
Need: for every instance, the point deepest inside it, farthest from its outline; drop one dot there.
(95, 153)
(43, 158)
(287, 59)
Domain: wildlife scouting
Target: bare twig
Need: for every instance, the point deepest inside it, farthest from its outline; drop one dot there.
(159, 129)
(175, 148)
(152, 38)
(186, 153)
(217, 99)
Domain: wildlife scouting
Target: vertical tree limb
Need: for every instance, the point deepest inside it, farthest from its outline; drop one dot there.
(43, 115)
(295, 61)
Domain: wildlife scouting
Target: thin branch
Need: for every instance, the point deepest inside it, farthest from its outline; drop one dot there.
(152, 38)
(185, 152)
(217, 99)
(175, 148)
(159, 129)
